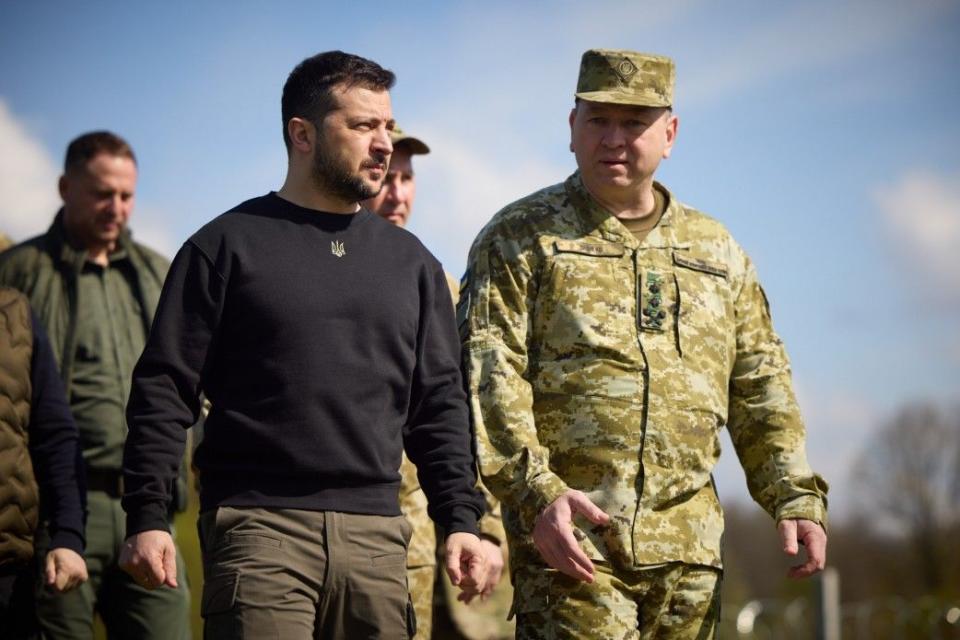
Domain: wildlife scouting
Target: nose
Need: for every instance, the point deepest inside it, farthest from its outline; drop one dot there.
(381, 141)
(116, 202)
(614, 136)
(393, 189)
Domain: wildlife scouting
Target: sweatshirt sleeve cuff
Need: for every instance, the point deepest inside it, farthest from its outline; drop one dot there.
(67, 539)
(462, 519)
(148, 517)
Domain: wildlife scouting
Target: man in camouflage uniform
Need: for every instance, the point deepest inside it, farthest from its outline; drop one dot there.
(394, 203)
(610, 332)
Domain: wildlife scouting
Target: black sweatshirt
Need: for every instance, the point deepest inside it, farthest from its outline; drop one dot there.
(55, 448)
(325, 343)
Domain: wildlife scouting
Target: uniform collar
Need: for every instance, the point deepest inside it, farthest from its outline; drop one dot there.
(601, 222)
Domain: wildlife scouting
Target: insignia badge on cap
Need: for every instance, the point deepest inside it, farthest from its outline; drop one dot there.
(625, 69)
(621, 76)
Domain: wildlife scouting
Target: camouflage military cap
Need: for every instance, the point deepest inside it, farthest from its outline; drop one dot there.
(415, 145)
(620, 76)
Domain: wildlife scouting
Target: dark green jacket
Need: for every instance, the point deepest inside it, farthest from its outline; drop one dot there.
(46, 268)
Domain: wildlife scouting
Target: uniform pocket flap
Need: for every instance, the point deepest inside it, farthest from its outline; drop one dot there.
(698, 264)
(389, 560)
(219, 594)
(245, 539)
(599, 249)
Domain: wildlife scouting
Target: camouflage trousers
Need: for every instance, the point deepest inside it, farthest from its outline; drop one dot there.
(420, 584)
(674, 601)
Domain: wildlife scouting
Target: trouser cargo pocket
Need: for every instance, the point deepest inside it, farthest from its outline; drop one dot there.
(216, 606)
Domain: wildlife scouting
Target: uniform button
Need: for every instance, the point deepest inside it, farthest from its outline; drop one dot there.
(661, 315)
(654, 288)
(647, 312)
(655, 302)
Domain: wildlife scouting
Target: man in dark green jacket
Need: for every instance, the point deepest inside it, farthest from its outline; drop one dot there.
(95, 292)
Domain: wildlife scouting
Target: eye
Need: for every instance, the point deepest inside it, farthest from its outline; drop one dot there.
(597, 120)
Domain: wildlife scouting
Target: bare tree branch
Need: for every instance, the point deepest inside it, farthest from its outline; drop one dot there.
(910, 475)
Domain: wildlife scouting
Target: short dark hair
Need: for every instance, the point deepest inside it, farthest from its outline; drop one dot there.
(308, 91)
(85, 148)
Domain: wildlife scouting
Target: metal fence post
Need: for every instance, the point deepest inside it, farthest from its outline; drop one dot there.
(828, 605)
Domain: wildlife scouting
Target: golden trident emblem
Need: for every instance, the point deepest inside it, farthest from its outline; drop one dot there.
(336, 248)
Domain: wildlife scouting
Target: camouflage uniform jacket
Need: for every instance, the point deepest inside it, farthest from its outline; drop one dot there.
(600, 363)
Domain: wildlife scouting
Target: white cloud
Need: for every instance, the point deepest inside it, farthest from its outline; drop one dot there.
(459, 188)
(921, 219)
(28, 180)
(148, 228)
(838, 424)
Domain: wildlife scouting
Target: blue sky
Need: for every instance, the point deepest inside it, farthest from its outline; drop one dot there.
(824, 134)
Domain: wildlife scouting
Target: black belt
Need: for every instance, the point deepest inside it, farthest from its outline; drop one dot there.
(110, 481)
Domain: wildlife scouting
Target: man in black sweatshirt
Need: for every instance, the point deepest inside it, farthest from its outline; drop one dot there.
(324, 338)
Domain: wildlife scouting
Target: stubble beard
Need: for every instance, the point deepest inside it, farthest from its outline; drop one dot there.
(338, 180)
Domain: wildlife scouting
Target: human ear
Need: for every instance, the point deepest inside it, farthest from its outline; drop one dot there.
(302, 134)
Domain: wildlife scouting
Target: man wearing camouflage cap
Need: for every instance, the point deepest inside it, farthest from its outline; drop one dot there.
(394, 203)
(610, 331)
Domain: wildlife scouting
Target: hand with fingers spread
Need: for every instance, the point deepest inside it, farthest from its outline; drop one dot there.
(151, 559)
(812, 536)
(466, 563)
(553, 534)
(494, 556)
(64, 569)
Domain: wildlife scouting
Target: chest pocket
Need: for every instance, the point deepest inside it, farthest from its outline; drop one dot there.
(705, 321)
(585, 305)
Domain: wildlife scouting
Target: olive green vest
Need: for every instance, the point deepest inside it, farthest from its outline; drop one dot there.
(19, 496)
